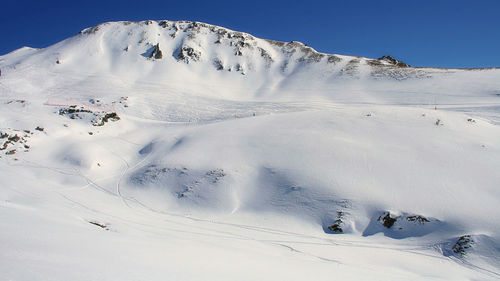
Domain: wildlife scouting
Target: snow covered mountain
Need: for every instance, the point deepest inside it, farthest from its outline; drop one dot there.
(145, 150)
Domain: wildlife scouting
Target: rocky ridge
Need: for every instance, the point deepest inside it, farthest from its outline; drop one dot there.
(195, 42)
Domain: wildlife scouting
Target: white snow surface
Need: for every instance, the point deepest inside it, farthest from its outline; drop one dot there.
(234, 156)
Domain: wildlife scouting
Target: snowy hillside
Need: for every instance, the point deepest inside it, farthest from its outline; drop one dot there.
(185, 151)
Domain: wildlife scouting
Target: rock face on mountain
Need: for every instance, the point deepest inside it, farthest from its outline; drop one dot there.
(224, 49)
(232, 64)
(156, 53)
(393, 61)
(178, 52)
(213, 47)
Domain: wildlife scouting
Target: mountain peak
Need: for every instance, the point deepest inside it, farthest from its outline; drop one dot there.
(176, 50)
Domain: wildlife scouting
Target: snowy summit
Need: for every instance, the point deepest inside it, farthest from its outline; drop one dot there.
(178, 150)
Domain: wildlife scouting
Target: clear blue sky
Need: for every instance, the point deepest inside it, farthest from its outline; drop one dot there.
(421, 33)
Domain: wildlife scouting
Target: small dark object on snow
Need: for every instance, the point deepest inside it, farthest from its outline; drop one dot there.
(39, 129)
(101, 225)
(471, 120)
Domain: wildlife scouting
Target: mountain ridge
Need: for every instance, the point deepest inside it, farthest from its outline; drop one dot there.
(186, 26)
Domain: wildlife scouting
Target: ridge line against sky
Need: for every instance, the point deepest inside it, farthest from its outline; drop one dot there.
(454, 34)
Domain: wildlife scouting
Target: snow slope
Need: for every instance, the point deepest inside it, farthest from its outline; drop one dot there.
(185, 151)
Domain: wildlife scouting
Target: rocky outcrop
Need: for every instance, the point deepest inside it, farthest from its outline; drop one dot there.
(462, 245)
(187, 54)
(402, 225)
(156, 53)
(391, 60)
(337, 226)
(96, 117)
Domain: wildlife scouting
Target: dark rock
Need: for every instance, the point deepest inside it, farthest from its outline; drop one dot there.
(393, 61)
(418, 219)
(111, 116)
(336, 228)
(374, 63)
(99, 118)
(333, 59)
(14, 138)
(387, 220)
(71, 110)
(267, 57)
(276, 43)
(101, 225)
(5, 145)
(218, 64)
(215, 175)
(156, 53)
(311, 57)
(163, 23)
(187, 53)
(91, 30)
(100, 121)
(463, 243)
